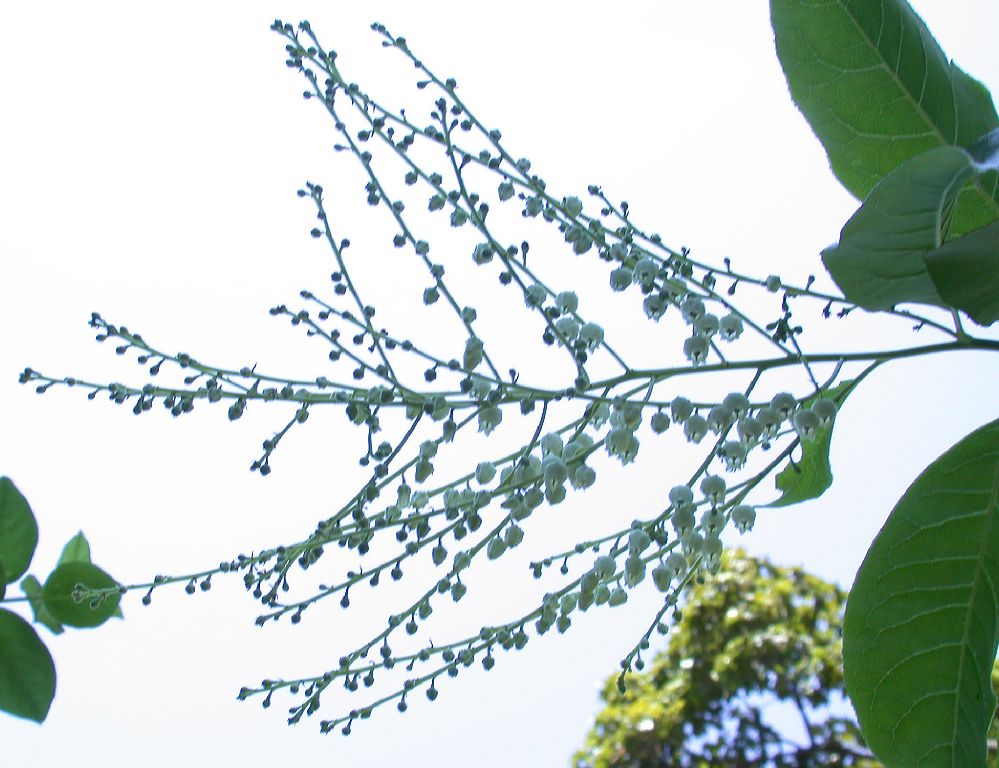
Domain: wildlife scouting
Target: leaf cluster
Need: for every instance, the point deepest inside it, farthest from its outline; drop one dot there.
(76, 594)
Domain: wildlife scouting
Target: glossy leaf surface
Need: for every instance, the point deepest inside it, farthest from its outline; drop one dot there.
(921, 626)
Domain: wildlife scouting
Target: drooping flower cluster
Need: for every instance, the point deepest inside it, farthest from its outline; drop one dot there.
(412, 423)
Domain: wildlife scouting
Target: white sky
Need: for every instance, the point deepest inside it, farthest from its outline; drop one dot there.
(149, 160)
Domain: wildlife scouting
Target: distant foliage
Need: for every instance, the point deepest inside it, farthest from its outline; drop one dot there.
(748, 636)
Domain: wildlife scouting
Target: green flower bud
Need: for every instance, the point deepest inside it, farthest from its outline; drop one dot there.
(439, 554)
(405, 494)
(489, 418)
(731, 327)
(706, 325)
(551, 444)
(770, 420)
(617, 597)
(620, 279)
(482, 254)
(566, 302)
(473, 353)
(676, 564)
(695, 428)
(573, 206)
(743, 517)
(592, 335)
(806, 423)
(638, 541)
(784, 403)
(660, 422)
(713, 487)
(485, 472)
(681, 408)
(554, 469)
(533, 498)
(680, 494)
(555, 494)
(645, 271)
(601, 594)
(634, 571)
(423, 470)
(568, 327)
(696, 349)
(692, 308)
(733, 453)
(750, 430)
(737, 403)
(535, 295)
(682, 518)
(604, 567)
(719, 418)
(577, 447)
(568, 603)
(495, 548)
(622, 444)
(514, 535)
(825, 409)
(662, 578)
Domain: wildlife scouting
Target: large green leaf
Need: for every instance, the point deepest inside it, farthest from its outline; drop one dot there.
(18, 532)
(966, 273)
(880, 259)
(922, 620)
(32, 589)
(27, 673)
(877, 90)
(811, 475)
(61, 600)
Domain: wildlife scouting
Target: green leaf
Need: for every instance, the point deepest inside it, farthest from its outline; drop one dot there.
(811, 475)
(77, 550)
(18, 532)
(966, 273)
(89, 612)
(27, 673)
(922, 620)
(879, 261)
(877, 89)
(32, 589)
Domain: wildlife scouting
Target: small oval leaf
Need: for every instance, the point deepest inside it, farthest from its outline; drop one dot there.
(18, 531)
(89, 612)
(32, 589)
(77, 550)
(27, 673)
(922, 620)
(812, 475)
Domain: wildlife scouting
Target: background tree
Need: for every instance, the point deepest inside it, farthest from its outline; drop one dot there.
(749, 635)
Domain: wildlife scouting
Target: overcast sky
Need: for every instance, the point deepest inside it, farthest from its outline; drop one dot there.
(149, 161)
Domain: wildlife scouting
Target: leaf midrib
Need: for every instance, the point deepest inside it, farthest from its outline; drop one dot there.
(979, 576)
(934, 130)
